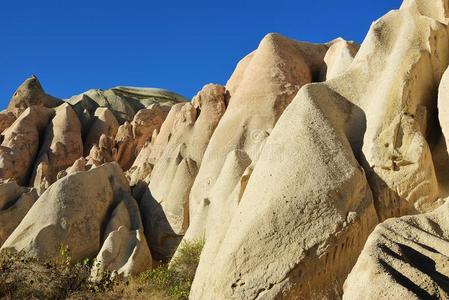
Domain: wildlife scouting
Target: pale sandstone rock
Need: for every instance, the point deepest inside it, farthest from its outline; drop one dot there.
(165, 206)
(9, 192)
(443, 111)
(124, 102)
(396, 73)
(152, 150)
(30, 93)
(263, 84)
(139, 173)
(62, 145)
(305, 244)
(290, 229)
(15, 202)
(124, 145)
(21, 143)
(437, 9)
(101, 153)
(145, 122)
(72, 213)
(125, 252)
(132, 137)
(79, 165)
(339, 57)
(105, 123)
(126, 213)
(404, 258)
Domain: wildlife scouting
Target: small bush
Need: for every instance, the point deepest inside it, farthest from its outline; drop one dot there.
(23, 277)
(177, 279)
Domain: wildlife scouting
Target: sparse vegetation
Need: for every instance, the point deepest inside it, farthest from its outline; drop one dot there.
(177, 279)
(23, 277)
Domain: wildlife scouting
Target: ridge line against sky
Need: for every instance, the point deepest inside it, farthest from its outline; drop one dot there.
(73, 46)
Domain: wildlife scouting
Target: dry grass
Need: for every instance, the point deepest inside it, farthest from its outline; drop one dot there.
(22, 277)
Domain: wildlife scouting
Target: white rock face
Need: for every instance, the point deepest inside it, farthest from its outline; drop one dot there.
(339, 57)
(76, 207)
(294, 229)
(62, 145)
(104, 123)
(165, 206)
(404, 258)
(124, 252)
(284, 173)
(263, 84)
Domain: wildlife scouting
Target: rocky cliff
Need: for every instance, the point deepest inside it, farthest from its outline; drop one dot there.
(318, 171)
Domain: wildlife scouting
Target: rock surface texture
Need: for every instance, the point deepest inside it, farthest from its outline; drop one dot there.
(404, 258)
(319, 171)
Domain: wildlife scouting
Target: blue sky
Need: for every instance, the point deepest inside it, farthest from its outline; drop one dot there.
(75, 45)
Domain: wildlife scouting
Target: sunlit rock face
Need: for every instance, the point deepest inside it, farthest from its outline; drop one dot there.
(319, 171)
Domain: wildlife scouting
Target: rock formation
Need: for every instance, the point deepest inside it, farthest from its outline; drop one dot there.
(283, 174)
(339, 57)
(103, 124)
(261, 87)
(264, 249)
(21, 144)
(15, 201)
(76, 209)
(404, 258)
(62, 145)
(30, 93)
(165, 205)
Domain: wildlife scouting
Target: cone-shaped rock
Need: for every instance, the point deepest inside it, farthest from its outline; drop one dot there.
(29, 93)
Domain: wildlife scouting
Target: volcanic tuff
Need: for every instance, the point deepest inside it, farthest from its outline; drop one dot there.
(317, 171)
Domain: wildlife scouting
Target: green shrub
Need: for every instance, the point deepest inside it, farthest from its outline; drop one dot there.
(177, 279)
(24, 277)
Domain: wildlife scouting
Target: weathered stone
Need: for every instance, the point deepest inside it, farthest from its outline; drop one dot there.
(30, 93)
(15, 202)
(21, 143)
(76, 209)
(404, 258)
(61, 146)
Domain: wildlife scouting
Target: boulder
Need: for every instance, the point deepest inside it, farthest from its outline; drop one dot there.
(124, 145)
(29, 93)
(101, 153)
(339, 57)
(104, 123)
(62, 145)
(21, 143)
(15, 201)
(404, 258)
(77, 209)
(125, 252)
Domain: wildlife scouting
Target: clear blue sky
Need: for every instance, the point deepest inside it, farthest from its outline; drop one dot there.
(75, 45)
